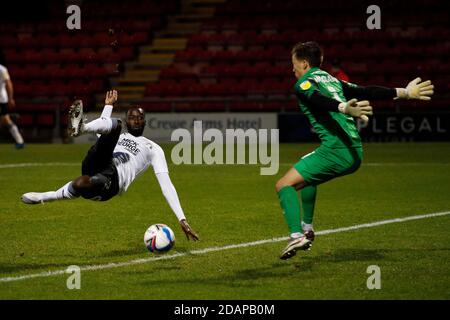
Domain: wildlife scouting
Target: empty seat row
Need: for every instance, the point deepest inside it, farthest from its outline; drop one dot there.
(69, 55)
(124, 9)
(242, 22)
(74, 87)
(255, 7)
(264, 69)
(53, 28)
(279, 53)
(76, 40)
(51, 71)
(224, 88)
(197, 54)
(200, 106)
(373, 42)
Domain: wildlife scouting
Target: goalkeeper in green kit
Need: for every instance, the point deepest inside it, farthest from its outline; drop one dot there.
(331, 106)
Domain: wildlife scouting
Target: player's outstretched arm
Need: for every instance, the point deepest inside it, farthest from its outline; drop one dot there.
(172, 199)
(110, 99)
(354, 91)
(416, 89)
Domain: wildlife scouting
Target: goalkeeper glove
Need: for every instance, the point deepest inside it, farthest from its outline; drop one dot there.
(416, 90)
(365, 119)
(357, 109)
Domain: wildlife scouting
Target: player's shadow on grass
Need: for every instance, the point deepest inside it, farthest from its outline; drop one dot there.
(137, 249)
(308, 262)
(346, 254)
(235, 280)
(132, 249)
(304, 262)
(292, 268)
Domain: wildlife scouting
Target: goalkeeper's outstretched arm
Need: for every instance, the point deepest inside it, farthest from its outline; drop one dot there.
(414, 90)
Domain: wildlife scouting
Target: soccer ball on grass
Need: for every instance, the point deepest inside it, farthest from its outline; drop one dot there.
(159, 238)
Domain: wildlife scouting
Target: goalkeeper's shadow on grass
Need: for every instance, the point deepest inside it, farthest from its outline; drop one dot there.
(232, 280)
(306, 262)
(302, 262)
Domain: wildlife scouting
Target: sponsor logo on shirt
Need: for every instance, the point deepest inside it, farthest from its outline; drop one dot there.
(130, 145)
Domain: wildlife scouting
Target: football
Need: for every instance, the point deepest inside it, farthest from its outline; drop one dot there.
(159, 238)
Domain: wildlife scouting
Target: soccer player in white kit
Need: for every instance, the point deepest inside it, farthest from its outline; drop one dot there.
(114, 161)
(7, 102)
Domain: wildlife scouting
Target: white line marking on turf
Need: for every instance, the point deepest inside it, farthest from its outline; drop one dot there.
(38, 164)
(390, 164)
(214, 249)
(70, 164)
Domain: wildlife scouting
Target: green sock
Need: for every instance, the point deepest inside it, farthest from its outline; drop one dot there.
(308, 195)
(291, 208)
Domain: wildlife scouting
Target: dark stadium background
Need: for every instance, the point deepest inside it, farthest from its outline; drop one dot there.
(176, 56)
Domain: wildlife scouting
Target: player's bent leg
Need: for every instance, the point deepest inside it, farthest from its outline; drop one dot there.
(308, 201)
(289, 201)
(291, 178)
(101, 125)
(78, 125)
(99, 187)
(66, 192)
(82, 182)
(4, 119)
(287, 192)
(354, 158)
(100, 154)
(13, 130)
(86, 186)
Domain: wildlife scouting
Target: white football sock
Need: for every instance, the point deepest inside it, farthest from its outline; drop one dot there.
(307, 226)
(16, 134)
(64, 193)
(296, 235)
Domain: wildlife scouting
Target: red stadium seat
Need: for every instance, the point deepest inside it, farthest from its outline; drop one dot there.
(25, 120)
(45, 120)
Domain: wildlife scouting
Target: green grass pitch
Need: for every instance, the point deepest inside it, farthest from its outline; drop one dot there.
(226, 205)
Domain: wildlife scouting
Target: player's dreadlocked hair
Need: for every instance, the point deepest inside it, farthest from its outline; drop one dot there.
(310, 51)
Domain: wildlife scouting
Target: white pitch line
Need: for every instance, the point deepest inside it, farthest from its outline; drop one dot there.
(368, 164)
(215, 249)
(38, 164)
(390, 164)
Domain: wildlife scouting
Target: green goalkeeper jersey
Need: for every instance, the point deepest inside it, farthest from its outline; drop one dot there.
(335, 129)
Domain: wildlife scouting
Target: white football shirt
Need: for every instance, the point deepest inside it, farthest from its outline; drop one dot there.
(4, 76)
(133, 155)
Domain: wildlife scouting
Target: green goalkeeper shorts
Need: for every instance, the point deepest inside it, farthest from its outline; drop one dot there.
(326, 163)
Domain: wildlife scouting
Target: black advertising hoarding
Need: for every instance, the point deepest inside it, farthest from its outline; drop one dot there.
(294, 127)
